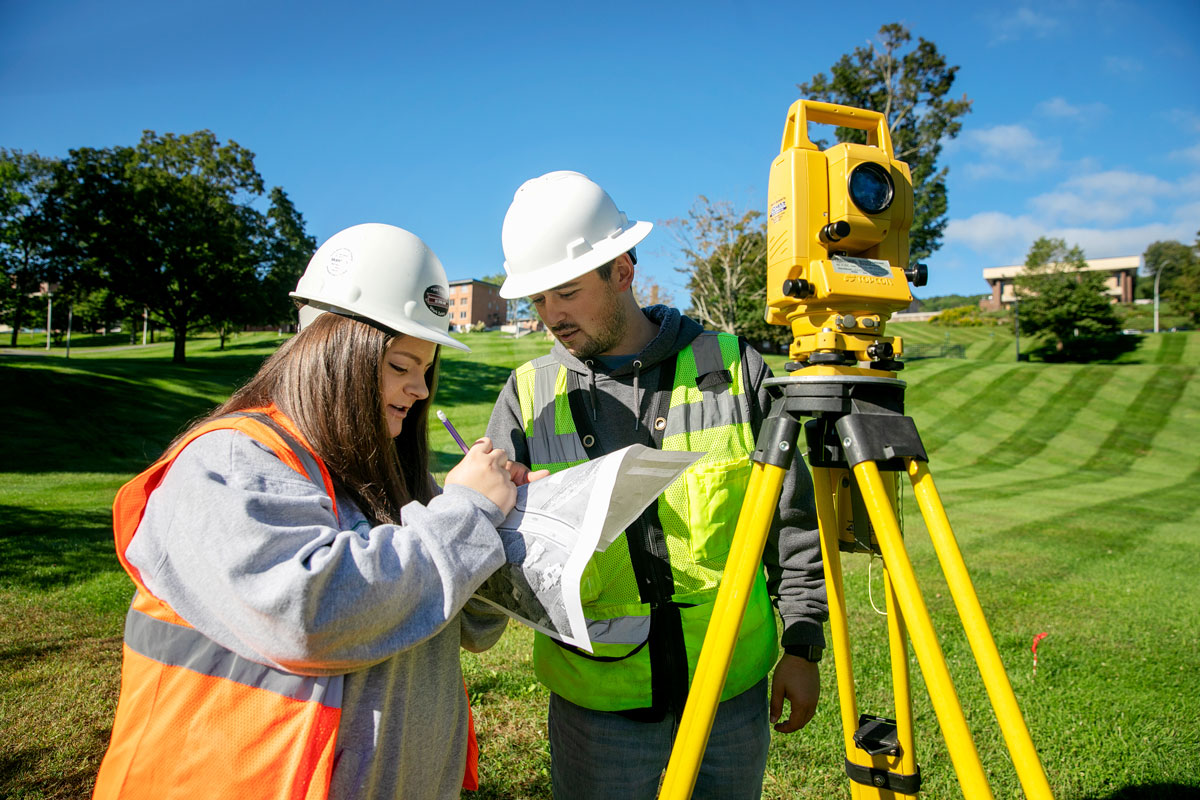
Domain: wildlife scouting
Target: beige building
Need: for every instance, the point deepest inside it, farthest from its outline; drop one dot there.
(1118, 283)
(473, 302)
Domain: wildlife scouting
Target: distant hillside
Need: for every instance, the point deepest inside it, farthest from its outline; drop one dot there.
(944, 301)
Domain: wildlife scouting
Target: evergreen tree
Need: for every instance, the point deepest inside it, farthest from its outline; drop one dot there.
(1058, 295)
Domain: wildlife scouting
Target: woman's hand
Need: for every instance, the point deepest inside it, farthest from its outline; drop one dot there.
(485, 470)
(521, 474)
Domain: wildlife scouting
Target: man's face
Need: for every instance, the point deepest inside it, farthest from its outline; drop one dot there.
(585, 314)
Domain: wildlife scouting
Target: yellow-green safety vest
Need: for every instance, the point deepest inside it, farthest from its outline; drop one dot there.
(698, 513)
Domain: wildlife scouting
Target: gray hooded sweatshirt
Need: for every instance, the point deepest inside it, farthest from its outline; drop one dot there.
(624, 401)
(250, 553)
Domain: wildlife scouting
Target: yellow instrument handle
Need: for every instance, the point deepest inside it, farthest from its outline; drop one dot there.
(802, 112)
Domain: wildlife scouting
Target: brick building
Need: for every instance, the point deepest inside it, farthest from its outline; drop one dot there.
(1118, 283)
(473, 302)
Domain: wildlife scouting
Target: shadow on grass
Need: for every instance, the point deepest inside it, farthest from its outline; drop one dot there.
(30, 771)
(42, 550)
(117, 415)
(460, 381)
(107, 415)
(1153, 791)
(1087, 350)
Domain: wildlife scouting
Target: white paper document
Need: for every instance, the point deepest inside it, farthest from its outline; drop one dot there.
(560, 521)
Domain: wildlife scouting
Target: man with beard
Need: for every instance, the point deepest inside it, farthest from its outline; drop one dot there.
(620, 374)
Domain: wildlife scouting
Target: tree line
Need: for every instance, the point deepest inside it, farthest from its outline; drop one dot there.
(171, 227)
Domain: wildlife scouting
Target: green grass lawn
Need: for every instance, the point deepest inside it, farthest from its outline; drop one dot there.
(1072, 489)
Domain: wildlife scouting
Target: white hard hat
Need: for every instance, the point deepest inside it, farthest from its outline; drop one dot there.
(560, 226)
(383, 274)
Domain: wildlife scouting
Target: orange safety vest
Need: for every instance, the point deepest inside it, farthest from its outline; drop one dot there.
(197, 720)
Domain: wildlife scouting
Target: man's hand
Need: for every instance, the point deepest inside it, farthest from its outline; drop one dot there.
(521, 475)
(799, 681)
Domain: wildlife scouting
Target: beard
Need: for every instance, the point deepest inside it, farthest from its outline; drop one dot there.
(607, 335)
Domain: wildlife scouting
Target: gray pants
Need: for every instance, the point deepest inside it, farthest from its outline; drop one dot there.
(597, 754)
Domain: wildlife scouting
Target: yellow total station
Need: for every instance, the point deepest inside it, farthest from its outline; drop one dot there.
(837, 241)
(837, 268)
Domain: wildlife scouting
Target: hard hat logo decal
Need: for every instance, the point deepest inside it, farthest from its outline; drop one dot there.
(339, 261)
(436, 300)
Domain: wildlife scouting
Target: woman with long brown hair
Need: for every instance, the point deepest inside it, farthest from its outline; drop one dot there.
(302, 584)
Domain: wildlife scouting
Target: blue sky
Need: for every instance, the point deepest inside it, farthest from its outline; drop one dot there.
(1085, 124)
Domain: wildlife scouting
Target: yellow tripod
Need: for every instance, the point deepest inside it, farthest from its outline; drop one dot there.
(837, 243)
(857, 433)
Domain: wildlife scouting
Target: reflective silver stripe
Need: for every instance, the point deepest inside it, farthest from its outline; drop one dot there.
(706, 349)
(619, 630)
(177, 646)
(722, 408)
(547, 446)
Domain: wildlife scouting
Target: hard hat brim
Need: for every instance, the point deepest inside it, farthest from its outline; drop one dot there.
(398, 324)
(561, 272)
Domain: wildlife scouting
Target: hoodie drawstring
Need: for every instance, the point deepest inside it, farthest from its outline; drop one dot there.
(637, 394)
(592, 401)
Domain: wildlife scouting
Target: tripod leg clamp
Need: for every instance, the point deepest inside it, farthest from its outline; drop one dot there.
(882, 779)
(776, 443)
(880, 438)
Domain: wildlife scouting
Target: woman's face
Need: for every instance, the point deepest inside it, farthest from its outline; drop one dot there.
(403, 378)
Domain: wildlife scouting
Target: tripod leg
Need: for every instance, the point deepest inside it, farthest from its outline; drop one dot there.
(874, 777)
(995, 679)
(741, 568)
(929, 653)
(901, 681)
(839, 632)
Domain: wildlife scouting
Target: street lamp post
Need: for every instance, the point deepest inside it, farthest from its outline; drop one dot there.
(1157, 274)
(1017, 320)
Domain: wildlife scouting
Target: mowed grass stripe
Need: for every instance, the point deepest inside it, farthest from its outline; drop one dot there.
(1135, 426)
(1119, 524)
(967, 414)
(993, 350)
(1191, 347)
(1142, 420)
(935, 379)
(1000, 419)
(1170, 349)
(1056, 413)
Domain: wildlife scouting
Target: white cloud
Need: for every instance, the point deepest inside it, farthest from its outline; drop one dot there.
(1059, 108)
(1007, 151)
(1123, 65)
(1103, 198)
(1123, 241)
(1021, 24)
(1000, 239)
(1185, 118)
(1187, 154)
(994, 234)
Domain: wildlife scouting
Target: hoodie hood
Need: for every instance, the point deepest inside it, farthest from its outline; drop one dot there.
(675, 332)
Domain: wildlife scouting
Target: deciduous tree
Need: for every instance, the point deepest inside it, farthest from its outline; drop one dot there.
(288, 247)
(26, 253)
(911, 88)
(1058, 295)
(167, 224)
(517, 307)
(725, 256)
(1179, 281)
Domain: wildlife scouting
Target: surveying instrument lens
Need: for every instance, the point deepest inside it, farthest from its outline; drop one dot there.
(871, 187)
